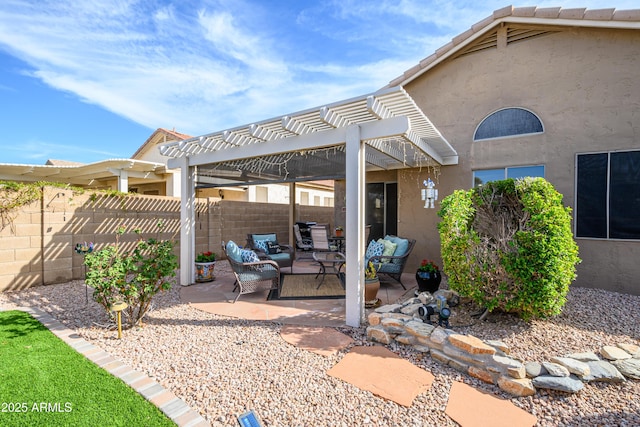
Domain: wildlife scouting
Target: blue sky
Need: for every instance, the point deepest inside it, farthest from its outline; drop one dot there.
(91, 80)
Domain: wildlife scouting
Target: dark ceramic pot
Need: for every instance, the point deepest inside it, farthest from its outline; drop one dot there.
(427, 281)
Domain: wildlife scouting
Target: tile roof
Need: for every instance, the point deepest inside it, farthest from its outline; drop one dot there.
(553, 16)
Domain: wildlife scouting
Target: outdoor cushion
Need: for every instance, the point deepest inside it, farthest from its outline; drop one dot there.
(249, 256)
(374, 249)
(264, 237)
(234, 251)
(403, 244)
(389, 247)
(283, 256)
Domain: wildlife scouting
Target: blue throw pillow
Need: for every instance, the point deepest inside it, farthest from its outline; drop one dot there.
(249, 256)
(403, 245)
(233, 251)
(374, 249)
(261, 245)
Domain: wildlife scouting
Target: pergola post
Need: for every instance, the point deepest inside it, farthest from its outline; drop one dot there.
(123, 181)
(187, 221)
(354, 227)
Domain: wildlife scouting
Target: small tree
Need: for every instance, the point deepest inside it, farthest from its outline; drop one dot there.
(508, 245)
(131, 276)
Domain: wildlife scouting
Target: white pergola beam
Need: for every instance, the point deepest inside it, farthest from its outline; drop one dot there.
(395, 126)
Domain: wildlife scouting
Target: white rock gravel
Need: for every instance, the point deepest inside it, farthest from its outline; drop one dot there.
(222, 366)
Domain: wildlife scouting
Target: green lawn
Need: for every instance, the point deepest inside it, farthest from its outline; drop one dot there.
(43, 381)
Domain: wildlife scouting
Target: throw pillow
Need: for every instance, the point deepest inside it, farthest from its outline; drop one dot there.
(249, 256)
(389, 247)
(403, 244)
(273, 248)
(234, 251)
(374, 249)
(262, 245)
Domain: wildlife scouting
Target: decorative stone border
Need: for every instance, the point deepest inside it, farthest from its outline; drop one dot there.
(489, 360)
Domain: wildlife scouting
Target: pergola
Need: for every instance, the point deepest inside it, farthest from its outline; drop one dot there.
(379, 131)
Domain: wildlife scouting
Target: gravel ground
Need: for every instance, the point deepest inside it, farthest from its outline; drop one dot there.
(222, 366)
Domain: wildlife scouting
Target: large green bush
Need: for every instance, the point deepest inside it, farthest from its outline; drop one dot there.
(508, 245)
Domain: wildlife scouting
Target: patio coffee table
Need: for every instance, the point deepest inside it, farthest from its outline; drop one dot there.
(333, 259)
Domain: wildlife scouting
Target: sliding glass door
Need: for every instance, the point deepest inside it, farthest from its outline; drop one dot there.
(382, 209)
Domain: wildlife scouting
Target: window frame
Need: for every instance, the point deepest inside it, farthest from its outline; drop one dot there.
(517, 135)
(505, 169)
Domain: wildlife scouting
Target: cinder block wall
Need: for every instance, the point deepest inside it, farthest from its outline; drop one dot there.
(37, 241)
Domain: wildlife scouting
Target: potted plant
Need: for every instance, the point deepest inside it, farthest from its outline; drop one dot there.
(205, 262)
(371, 286)
(339, 231)
(428, 276)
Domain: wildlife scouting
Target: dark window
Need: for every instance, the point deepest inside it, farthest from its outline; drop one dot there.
(591, 201)
(608, 195)
(508, 122)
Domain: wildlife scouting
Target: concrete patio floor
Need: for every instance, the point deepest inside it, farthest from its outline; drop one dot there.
(217, 297)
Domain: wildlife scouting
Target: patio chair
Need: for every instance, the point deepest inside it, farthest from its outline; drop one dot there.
(252, 275)
(391, 265)
(302, 243)
(320, 239)
(266, 246)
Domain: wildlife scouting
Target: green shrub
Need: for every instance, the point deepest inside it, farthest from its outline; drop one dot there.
(131, 276)
(508, 245)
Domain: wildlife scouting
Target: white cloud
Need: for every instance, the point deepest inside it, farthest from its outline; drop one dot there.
(217, 64)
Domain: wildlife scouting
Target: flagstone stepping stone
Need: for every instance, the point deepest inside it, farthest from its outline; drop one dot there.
(574, 366)
(319, 340)
(614, 353)
(630, 368)
(555, 370)
(383, 373)
(472, 408)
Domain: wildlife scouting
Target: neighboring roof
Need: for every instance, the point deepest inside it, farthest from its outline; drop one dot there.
(266, 152)
(84, 174)
(482, 35)
(54, 162)
(160, 135)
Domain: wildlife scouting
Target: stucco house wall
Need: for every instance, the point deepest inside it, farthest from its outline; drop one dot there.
(583, 85)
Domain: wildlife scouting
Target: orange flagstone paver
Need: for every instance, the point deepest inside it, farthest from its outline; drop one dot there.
(323, 341)
(472, 408)
(383, 373)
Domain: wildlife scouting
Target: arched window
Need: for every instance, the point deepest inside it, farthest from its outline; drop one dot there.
(508, 122)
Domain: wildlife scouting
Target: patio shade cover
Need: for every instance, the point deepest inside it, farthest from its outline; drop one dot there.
(301, 146)
(381, 131)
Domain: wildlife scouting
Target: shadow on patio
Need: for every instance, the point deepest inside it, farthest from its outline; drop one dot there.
(216, 297)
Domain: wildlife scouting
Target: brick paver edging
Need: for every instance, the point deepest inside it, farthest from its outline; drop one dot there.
(171, 405)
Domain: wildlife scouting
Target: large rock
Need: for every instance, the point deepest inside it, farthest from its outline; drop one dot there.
(587, 356)
(535, 369)
(379, 334)
(390, 308)
(517, 386)
(419, 329)
(512, 367)
(632, 349)
(630, 368)
(614, 353)
(392, 324)
(566, 384)
(374, 319)
(470, 344)
(601, 370)
(555, 370)
(574, 366)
